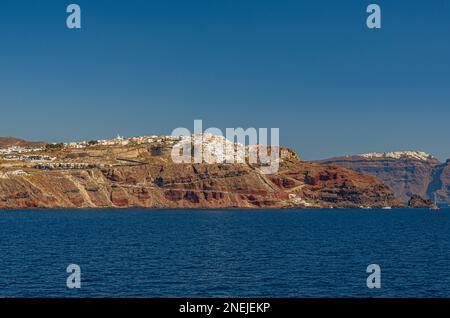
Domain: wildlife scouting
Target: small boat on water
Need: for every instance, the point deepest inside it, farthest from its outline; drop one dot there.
(387, 208)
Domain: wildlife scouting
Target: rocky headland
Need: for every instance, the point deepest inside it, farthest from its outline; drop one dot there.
(139, 172)
(417, 201)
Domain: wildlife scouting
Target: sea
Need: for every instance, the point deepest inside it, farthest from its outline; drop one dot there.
(224, 253)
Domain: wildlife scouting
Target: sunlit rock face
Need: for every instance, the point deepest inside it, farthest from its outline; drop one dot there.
(140, 172)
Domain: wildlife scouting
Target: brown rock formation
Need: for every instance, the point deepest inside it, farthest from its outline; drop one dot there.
(150, 179)
(11, 141)
(417, 201)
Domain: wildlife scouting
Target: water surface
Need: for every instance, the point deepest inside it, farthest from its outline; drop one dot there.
(236, 253)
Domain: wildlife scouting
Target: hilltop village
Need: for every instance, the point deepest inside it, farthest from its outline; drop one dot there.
(120, 151)
(141, 172)
(22, 160)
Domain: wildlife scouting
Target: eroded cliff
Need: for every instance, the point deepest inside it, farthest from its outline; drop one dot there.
(144, 176)
(406, 173)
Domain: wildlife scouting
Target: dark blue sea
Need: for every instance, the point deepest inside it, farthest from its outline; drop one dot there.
(225, 253)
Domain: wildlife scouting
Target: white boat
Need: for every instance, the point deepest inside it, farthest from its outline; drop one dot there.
(387, 208)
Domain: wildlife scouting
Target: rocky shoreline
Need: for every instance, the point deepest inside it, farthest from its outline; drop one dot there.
(142, 175)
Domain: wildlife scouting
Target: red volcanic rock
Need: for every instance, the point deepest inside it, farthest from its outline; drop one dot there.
(119, 197)
(160, 183)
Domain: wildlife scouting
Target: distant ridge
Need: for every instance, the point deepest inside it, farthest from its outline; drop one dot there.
(12, 141)
(418, 155)
(405, 172)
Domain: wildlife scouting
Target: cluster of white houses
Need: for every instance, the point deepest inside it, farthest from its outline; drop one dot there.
(118, 141)
(121, 141)
(19, 150)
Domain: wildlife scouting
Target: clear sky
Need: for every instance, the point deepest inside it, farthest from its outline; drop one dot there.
(311, 68)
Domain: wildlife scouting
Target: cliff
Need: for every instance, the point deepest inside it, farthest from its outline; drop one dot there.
(143, 175)
(440, 183)
(406, 173)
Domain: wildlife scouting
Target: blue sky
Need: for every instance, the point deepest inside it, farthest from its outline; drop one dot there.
(311, 68)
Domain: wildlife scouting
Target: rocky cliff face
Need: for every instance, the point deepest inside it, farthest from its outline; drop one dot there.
(440, 183)
(406, 173)
(144, 177)
(419, 202)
